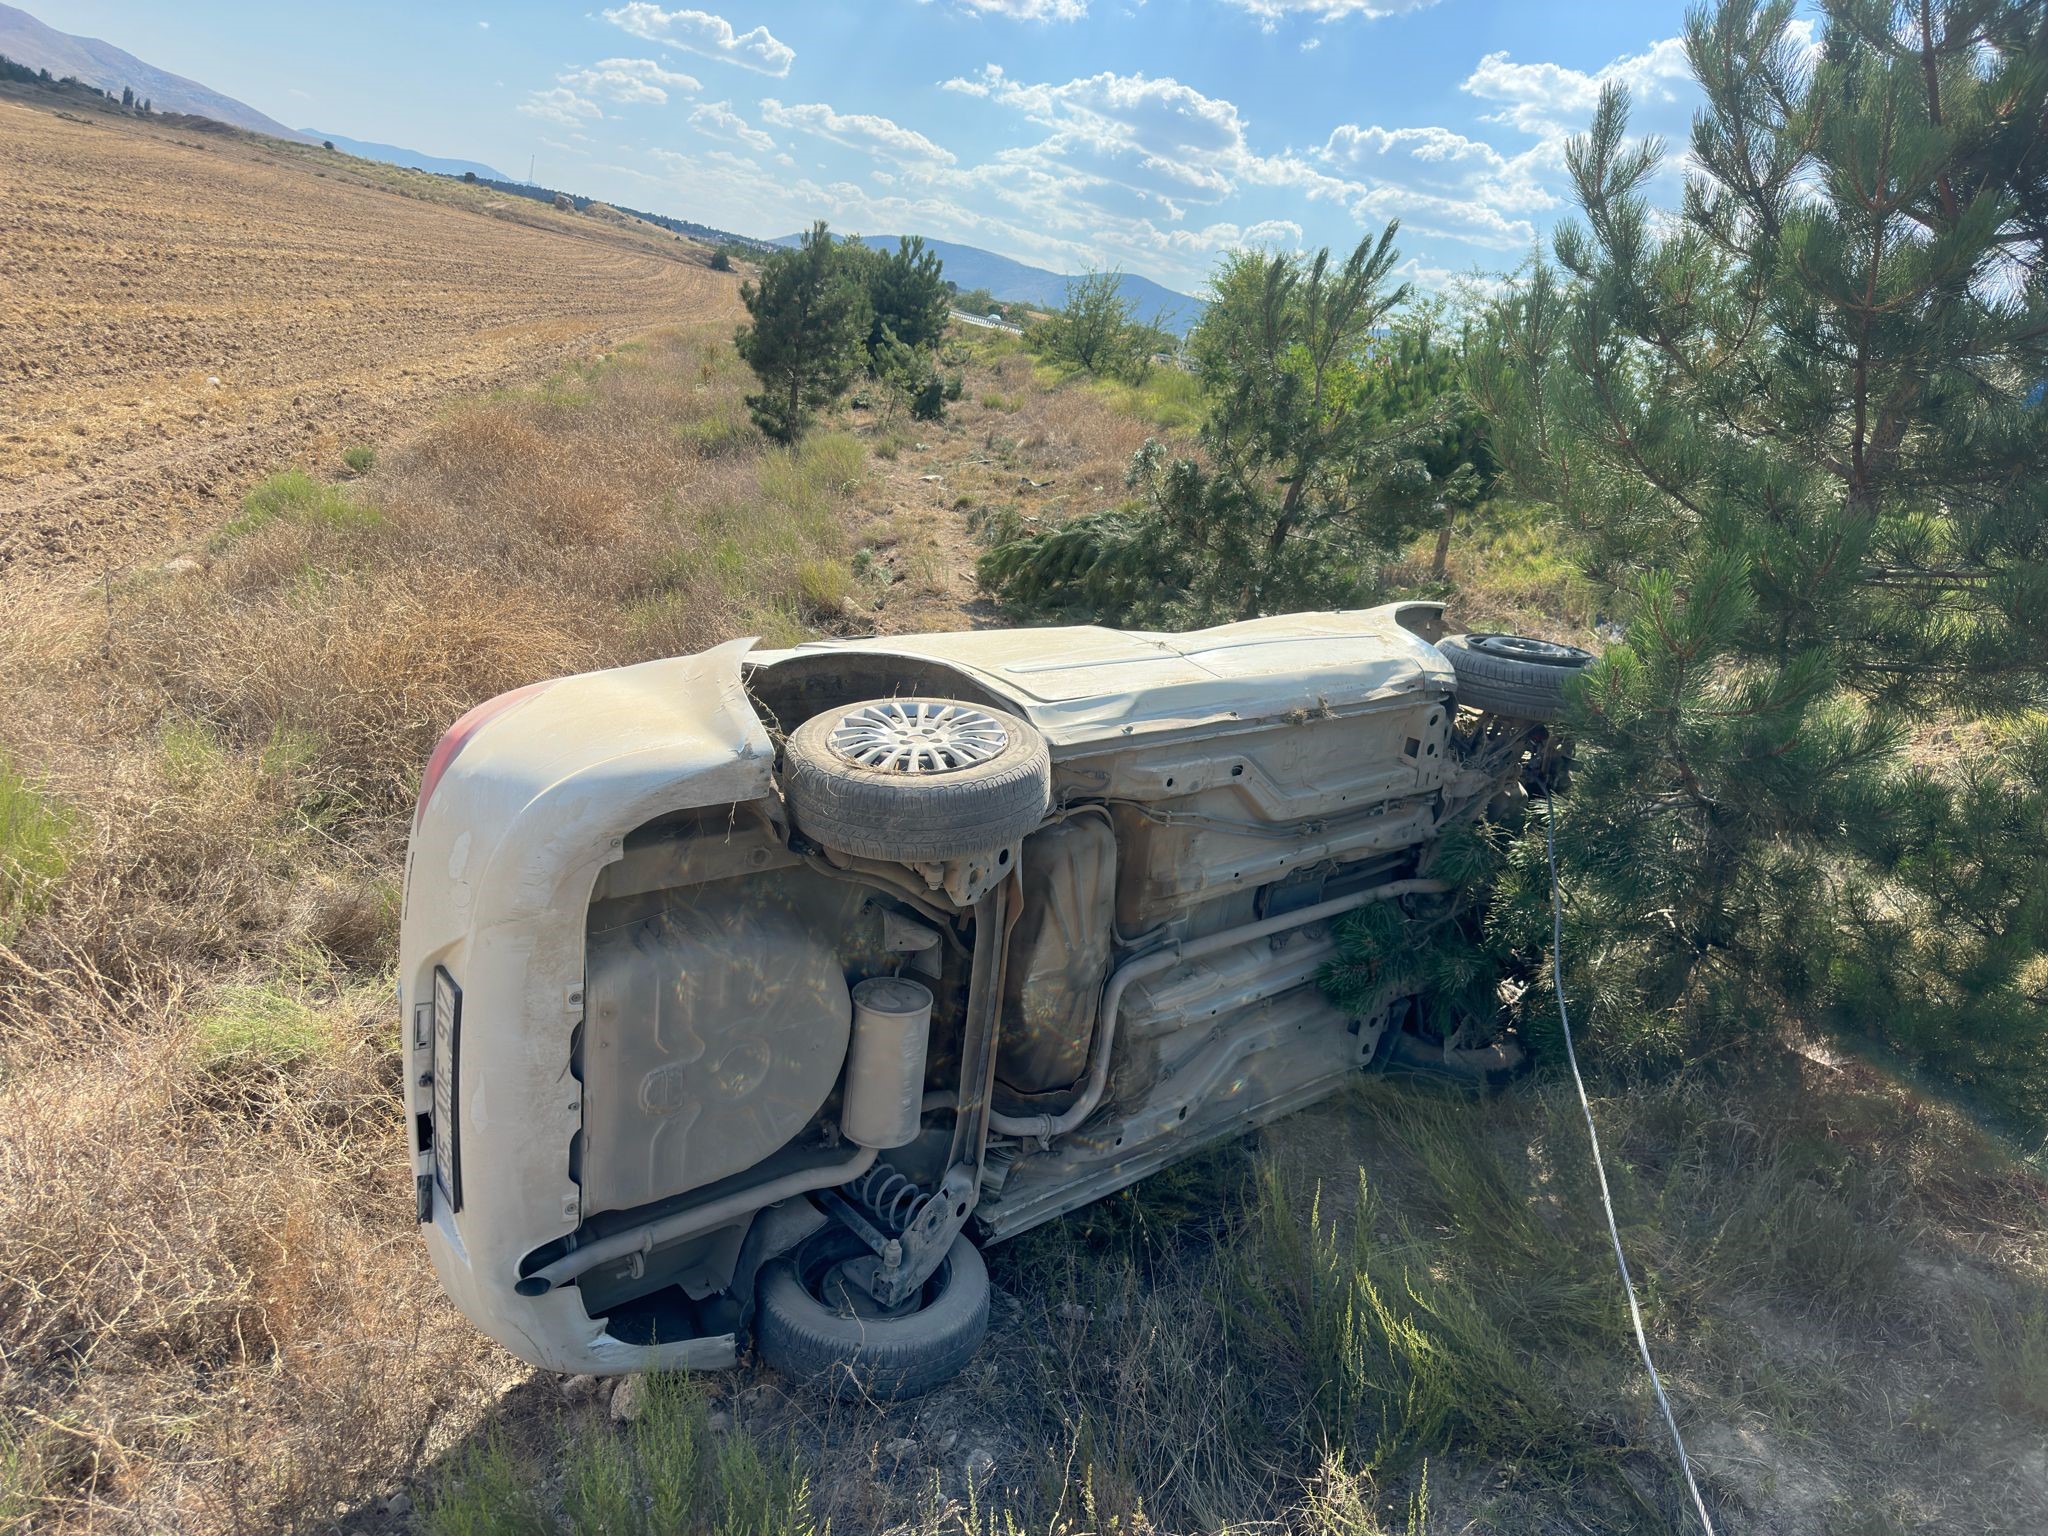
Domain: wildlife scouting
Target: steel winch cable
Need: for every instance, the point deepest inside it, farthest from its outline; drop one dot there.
(1628, 1285)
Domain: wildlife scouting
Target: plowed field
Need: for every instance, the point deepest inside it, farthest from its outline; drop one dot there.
(182, 311)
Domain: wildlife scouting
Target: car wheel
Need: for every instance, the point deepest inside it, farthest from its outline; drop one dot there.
(813, 1323)
(1513, 675)
(916, 780)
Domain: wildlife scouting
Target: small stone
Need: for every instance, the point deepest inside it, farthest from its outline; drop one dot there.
(898, 1449)
(949, 1439)
(579, 1388)
(180, 565)
(629, 1398)
(754, 1399)
(1074, 1312)
(929, 479)
(213, 381)
(718, 1421)
(980, 1466)
(399, 1505)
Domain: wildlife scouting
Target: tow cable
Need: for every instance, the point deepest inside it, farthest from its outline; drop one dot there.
(1628, 1285)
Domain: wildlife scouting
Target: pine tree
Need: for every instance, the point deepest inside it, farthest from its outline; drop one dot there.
(1800, 436)
(906, 290)
(1313, 470)
(810, 317)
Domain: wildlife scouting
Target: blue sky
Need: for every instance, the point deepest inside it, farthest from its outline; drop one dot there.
(1150, 134)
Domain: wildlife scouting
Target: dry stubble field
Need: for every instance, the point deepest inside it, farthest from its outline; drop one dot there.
(183, 308)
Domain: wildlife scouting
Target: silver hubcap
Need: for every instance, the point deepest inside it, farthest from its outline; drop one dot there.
(918, 736)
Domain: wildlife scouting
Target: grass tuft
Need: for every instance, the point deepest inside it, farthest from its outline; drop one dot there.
(296, 497)
(2013, 1353)
(257, 1024)
(35, 843)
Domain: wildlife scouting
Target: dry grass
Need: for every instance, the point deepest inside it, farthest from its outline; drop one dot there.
(214, 1312)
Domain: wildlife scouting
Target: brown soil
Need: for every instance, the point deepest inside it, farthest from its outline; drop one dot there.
(181, 312)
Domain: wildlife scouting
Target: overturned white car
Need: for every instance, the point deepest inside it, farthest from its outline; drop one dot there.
(747, 994)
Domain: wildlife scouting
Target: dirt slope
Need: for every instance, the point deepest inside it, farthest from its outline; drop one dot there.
(183, 310)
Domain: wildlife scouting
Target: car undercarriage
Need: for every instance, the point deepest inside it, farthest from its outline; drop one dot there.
(1009, 921)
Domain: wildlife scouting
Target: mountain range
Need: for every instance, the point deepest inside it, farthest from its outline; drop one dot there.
(972, 267)
(393, 154)
(27, 41)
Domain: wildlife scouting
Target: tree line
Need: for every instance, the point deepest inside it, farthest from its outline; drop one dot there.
(1795, 437)
(22, 74)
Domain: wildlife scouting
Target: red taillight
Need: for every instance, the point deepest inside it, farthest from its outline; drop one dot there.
(461, 731)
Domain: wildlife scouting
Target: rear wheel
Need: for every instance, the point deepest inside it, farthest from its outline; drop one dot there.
(1513, 675)
(916, 780)
(815, 1323)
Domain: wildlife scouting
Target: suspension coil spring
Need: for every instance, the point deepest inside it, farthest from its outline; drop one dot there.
(889, 1196)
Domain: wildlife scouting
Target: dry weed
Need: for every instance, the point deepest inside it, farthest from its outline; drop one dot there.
(214, 1311)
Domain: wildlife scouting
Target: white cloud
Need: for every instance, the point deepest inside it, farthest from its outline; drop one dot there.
(1272, 12)
(702, 32)
(560, 105)
(1151, 136)
(1311, 44)
(717, 120)
(1027, 10)
(1275, 234)
(1553, 101)
(484, 26)
(628, 80)
(857, 130)
(1446, 162)
(1125, 158)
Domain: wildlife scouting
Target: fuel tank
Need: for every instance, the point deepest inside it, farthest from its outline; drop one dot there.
(714, 1034)
(1059, 955)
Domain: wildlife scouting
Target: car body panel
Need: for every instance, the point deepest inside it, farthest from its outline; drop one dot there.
(516, 833)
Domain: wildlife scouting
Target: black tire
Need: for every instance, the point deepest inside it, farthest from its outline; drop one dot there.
(915, 817)
(881, 1357)
(1512, 675)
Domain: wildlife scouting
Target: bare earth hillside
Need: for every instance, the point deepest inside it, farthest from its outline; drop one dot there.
(183, 309)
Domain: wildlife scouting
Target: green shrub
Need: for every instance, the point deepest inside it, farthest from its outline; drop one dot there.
(486, 1491)
(672, 1439)
(359, 459)
(599, 1495)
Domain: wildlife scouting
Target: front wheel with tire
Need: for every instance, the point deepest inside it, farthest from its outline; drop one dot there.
(1513, 675)
(916, 780)
(813, 1321)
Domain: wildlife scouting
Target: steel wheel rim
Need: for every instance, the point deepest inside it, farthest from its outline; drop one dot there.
(918, 737)
(1526, 648)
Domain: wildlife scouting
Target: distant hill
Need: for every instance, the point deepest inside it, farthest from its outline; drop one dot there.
(704, 232)
(27, 41)
(393, 154)
(972, 267)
